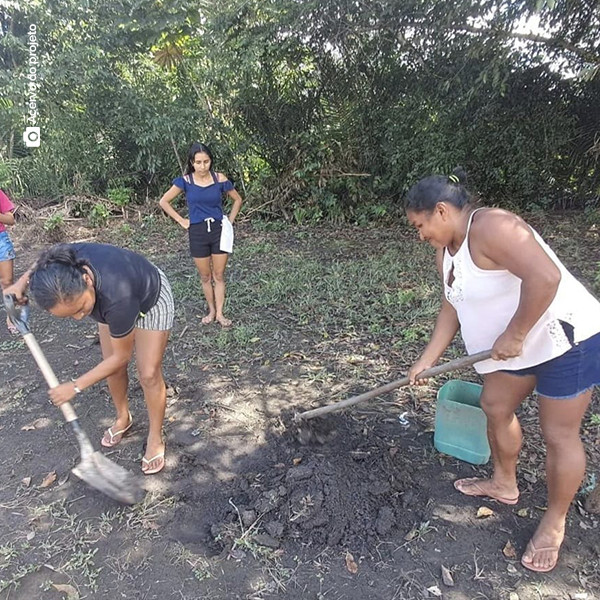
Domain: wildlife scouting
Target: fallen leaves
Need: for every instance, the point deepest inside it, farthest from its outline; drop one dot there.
(447, 577)
(296, 355)
(509, 550)
(483, 512)
(351, 564)
(172, 391)
(49, 479)
(37, 424)
(355, 359)
(69, 590)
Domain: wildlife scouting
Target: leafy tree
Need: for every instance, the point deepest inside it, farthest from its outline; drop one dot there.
(319, 109)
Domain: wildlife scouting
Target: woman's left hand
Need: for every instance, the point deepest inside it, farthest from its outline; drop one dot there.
(507, 346)
(62, 393)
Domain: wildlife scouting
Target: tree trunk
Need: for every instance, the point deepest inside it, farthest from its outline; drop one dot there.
(181, 166)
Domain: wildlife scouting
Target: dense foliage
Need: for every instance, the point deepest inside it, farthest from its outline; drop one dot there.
(317, 109)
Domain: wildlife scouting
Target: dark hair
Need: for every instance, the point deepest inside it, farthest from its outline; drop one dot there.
(424, 195)
(57, 276)
(194, 149)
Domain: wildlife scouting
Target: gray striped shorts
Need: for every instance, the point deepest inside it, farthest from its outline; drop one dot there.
(160, 316)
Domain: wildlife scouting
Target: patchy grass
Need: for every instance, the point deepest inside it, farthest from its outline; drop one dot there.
(200, 567)
(318, 314)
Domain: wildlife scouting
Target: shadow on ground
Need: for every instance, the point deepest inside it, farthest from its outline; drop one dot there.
(244, 509)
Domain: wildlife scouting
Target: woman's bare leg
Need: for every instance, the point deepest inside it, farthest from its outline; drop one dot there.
(502, 394)
(149, 350)
(219, 263)
(6, 279)
(565, 467)
(204, 268)
(117, 384)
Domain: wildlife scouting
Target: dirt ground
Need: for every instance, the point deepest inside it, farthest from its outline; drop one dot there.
(244, 509)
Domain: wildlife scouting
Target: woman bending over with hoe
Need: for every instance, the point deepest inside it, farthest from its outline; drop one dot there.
(507, 290)
(210, 230)
(132, 302)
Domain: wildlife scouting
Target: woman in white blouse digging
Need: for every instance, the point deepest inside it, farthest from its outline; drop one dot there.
(507, 290)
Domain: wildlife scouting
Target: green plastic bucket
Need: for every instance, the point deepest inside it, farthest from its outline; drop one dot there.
(460, 424)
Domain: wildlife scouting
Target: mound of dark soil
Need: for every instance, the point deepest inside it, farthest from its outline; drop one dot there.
(350, 491)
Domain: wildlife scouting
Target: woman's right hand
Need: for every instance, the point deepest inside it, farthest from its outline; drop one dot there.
(417, 368)
(17, 290)
(185, 223)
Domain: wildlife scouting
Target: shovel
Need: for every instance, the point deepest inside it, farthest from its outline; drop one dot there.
(95, 469)
(453, 365)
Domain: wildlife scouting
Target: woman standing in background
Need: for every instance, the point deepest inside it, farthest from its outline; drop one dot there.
(210, 230)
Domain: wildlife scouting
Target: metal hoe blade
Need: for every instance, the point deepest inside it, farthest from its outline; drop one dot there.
(109, 478)
(103, 474)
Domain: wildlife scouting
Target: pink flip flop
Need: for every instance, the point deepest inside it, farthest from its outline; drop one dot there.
(472, 482)
(112, 438)
(161, 464)
(534, 551)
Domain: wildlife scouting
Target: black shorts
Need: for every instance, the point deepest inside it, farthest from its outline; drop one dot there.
(204, 243)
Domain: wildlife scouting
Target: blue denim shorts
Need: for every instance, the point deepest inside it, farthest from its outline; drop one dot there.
(569, 374)
(7, 252)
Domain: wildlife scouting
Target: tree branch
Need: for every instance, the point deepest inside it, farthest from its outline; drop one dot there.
(586, 55)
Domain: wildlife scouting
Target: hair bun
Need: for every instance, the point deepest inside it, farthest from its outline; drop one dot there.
(458, 175)
(62, 254)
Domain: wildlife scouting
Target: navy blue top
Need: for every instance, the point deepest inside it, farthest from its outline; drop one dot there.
(204, 201)
(126, 285)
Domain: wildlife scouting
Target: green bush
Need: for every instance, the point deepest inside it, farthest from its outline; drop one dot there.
(99, 214)
(119, 196)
